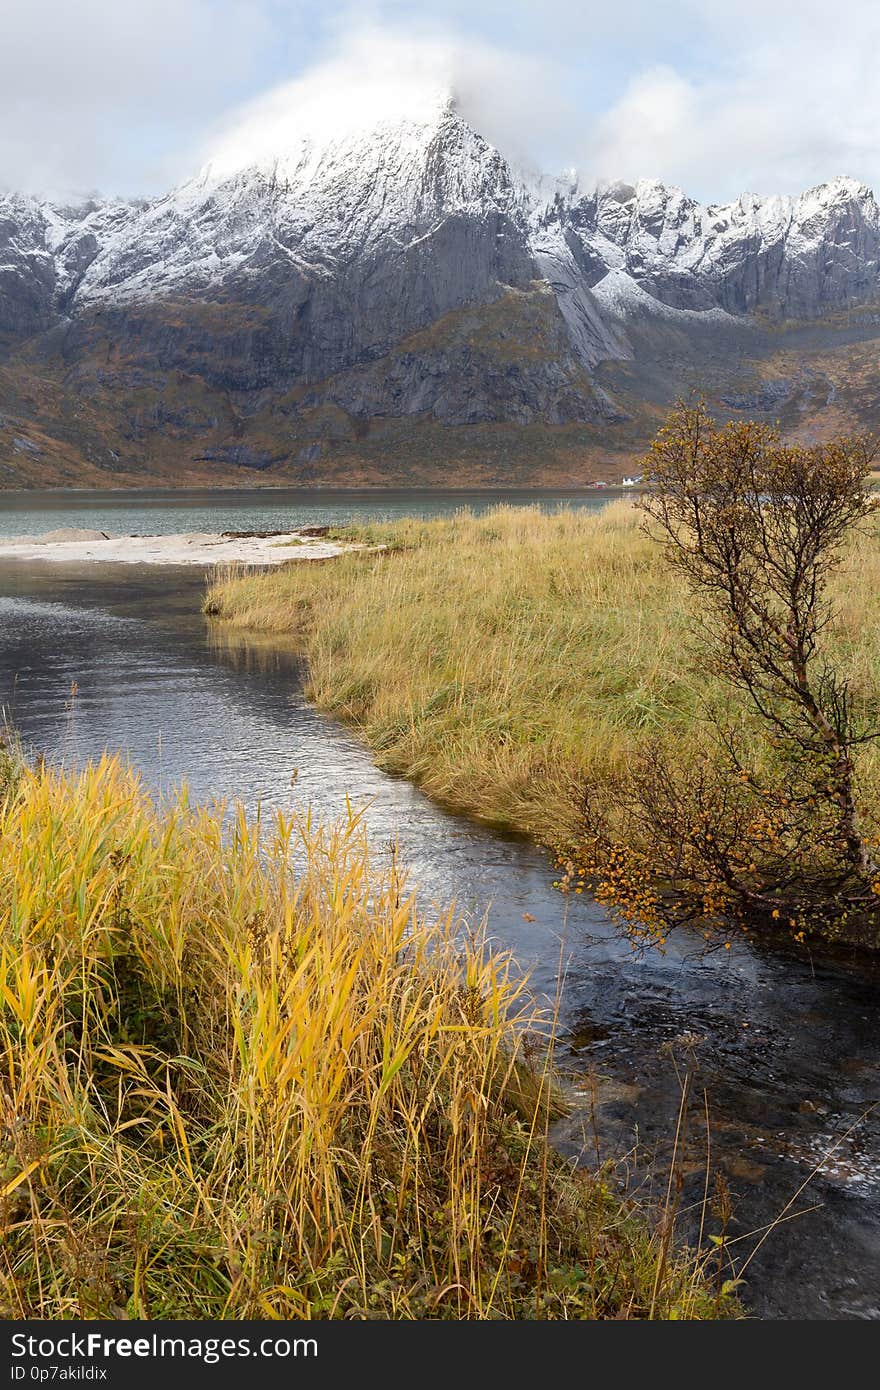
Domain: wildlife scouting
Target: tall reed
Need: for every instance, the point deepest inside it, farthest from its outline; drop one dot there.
(242, 1076)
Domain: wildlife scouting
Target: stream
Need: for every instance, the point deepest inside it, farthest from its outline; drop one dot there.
(782, 1051)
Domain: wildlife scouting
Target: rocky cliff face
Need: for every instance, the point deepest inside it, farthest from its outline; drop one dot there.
(299, 314)
(788, 258)
(344, 247)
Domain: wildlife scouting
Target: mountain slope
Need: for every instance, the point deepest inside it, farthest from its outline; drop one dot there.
(398, 304)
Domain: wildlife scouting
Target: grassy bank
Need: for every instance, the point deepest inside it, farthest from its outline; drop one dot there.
(501, 661)
(242, 1082)
(491, 658)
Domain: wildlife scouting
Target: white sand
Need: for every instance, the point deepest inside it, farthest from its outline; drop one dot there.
(194, 548)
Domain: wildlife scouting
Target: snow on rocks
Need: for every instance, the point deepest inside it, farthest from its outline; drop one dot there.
(371, 233)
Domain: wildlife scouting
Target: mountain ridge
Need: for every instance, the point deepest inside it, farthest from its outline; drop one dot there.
(403, 304)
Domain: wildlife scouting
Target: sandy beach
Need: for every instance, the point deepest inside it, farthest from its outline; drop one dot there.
(191, 548)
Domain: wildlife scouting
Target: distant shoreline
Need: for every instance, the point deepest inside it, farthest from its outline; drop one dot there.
(201, 489)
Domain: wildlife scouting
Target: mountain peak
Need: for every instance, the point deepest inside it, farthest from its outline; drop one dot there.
(837, 189)
(373, 258)
(276, 135)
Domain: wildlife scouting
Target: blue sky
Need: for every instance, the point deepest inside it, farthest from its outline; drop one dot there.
(128, 96)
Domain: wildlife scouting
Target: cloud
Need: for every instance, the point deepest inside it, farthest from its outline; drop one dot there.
(128, 97)
(104, 93)
(720, 98)
(786, 101)
(376, 74)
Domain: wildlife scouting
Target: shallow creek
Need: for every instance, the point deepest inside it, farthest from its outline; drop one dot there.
(784, 1052)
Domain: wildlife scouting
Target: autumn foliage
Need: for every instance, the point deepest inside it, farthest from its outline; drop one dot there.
(764, 822)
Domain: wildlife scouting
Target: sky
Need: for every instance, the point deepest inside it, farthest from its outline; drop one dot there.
(718, 96)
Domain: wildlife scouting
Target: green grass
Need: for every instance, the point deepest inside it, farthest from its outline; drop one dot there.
(242, 1077)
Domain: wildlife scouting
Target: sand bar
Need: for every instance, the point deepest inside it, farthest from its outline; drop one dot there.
(191, 548)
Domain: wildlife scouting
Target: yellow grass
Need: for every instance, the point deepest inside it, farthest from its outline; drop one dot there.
(503, 660)
(241, 1076)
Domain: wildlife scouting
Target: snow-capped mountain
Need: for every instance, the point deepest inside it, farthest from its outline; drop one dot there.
(788, 257)
(287, 311)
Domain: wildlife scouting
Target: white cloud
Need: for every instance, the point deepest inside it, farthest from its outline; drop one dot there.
(790, 99)
(105, 93)
(376, 74)
(371, 78)
(125, 95)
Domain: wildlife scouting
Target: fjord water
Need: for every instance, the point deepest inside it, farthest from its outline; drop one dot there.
(168, 511)
(787, 1053)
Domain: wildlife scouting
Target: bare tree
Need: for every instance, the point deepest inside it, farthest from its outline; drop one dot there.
(756, 528)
